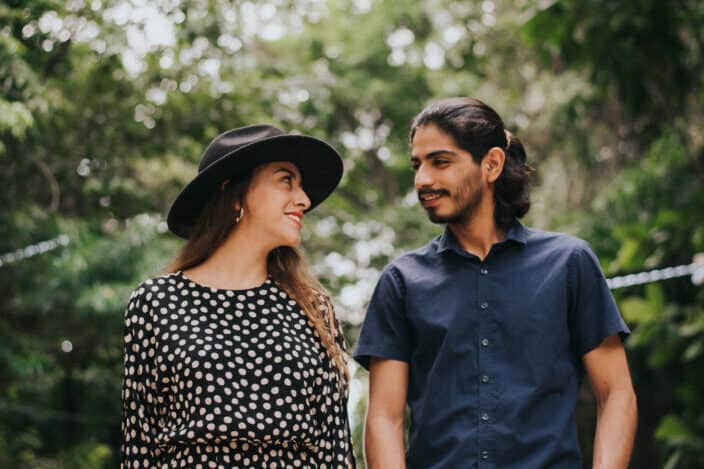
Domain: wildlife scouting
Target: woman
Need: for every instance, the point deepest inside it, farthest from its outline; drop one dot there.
(235, 359)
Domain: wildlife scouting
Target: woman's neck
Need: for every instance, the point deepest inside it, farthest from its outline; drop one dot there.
(239, 263)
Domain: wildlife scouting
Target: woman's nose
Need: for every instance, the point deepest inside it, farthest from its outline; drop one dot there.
(302, 200)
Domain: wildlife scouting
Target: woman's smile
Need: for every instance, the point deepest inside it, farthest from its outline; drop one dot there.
(296, 217)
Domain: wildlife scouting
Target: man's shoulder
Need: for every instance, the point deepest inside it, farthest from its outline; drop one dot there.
(553, 241)
(415, 257)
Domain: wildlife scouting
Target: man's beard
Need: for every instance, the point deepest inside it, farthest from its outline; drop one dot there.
(467, 198)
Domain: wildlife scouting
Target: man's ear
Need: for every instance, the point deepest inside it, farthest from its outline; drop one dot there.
(493, 164)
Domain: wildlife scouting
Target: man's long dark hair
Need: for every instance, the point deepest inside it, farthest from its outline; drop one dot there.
(477, 128)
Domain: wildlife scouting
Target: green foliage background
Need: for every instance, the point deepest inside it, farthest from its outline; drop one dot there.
(101, 124)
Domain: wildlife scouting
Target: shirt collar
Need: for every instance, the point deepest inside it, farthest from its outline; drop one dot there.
(516, 233)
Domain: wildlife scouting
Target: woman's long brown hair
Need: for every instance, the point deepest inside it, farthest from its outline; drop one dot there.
(286, 266)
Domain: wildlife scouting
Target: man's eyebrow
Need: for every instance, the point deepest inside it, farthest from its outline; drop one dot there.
(434, 154)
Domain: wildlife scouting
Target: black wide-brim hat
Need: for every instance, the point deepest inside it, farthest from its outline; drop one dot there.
(235, 153)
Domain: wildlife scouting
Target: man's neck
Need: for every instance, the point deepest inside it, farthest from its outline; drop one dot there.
(477, 234)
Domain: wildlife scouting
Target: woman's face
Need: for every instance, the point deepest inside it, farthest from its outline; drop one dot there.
(274, 204)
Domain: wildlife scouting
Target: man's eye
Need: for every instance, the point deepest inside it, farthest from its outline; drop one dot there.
(441, 162)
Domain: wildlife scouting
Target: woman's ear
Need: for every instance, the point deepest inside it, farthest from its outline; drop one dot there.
(238, 203)
(493, 164)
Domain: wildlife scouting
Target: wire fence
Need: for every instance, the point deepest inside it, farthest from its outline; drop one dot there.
(34, 250)
(694, 269)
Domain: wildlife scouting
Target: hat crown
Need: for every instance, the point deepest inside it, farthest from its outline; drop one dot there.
(233, 139)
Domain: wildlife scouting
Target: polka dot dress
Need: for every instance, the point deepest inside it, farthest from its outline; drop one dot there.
(221, 379)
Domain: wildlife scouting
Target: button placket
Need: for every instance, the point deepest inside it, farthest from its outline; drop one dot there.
(486, 320)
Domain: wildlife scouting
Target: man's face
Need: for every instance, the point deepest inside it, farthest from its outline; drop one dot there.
(447, 180)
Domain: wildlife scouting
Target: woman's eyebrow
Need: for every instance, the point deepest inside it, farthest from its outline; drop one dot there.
(286, 170)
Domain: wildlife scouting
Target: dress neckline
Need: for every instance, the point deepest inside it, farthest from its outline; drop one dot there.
(193, 283)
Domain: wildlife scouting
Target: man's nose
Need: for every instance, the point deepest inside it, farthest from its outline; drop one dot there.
(423, 178)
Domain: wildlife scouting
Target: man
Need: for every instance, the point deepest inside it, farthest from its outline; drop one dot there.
(485, 331)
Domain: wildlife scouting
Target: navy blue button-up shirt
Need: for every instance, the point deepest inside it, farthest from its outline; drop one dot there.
(494, 347)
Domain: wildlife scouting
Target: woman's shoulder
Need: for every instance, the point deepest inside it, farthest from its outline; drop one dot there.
(154, 288)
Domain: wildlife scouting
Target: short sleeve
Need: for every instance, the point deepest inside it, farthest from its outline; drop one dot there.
(139, 422)
(385, 332)
(594, 315)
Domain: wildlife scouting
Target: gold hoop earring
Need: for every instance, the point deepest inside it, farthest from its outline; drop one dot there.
(239, 215)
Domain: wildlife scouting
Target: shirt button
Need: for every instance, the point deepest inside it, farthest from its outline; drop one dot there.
(483, 271)
(485, 342)
(484, 454)
(485, 416)
(485, 379)
(484, 305)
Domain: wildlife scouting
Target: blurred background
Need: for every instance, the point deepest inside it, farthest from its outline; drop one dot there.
(106, 106)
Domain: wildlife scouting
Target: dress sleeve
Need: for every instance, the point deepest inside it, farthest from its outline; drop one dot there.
(385, 332)
(335, 444)
(593, 314)
(139, 422)
(336, 437)
(345, 447)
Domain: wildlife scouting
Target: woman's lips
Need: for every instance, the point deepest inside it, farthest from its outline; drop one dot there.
(295, 217)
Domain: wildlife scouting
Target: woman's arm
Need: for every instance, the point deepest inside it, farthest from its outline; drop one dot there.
(138, 389)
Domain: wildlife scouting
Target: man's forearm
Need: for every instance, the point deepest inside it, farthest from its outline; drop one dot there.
(615, 431)
(383, 443)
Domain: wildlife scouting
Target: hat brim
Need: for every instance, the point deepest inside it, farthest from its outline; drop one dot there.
(320, 166)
